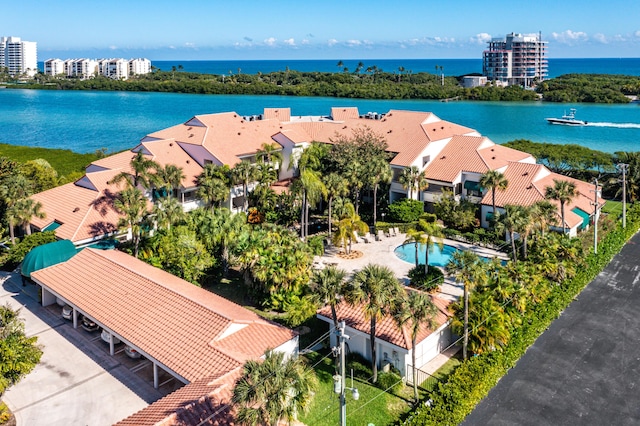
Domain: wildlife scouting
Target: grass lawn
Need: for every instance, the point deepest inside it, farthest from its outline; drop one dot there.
(63, 161)
(612, 207)
(374, 406)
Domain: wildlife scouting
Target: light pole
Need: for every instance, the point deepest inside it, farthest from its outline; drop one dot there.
(624, 167)
(339, 380)
(595, 219)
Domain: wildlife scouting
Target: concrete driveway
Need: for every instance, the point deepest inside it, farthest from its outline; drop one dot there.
(76, 382)
(585, 369)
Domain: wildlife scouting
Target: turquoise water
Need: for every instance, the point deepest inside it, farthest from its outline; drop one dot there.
(437, 256)
(84, 121)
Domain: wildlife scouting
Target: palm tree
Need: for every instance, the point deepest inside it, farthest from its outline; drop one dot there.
(273, 390)
(494, 181)
(168, 178)
(375, 287)
(270, 153)
(14, 190)
(467, 268)
(141, 167)
(424, 237)
(512, 221)
(336, 186)
(313, 190)
(415, 310)
(543, 215)
(214, 184)
(327, 285)
(379, 172)
(168, 211)
(226, 229)
(349, 224)
(28, 209)
(563, 191)
(133, 205)
(413, 179)
(243, 174)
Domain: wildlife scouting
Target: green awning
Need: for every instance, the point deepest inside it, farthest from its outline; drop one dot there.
(47, 255)
(52, 226)
(471, 185)
(584, 215)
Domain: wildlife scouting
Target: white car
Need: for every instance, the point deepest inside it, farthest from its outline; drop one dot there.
(67, 312)
(131, 353)
(106, 336)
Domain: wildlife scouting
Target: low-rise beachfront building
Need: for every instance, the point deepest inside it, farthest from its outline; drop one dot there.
(54, 67)
(199, 339)
(84, 68)
(393, 344)
(451, 157)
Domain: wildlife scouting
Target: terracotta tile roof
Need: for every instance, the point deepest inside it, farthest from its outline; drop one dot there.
(180, 326)
(460, 154)
(528, 183)
(346, 113)
(205, 401)
(165, 152)
(227, 136)
(120, 161)
(386, 328)
(83, 208)
(280, 114)
(499, 156)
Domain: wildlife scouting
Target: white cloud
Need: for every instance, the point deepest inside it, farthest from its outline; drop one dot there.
(190, 45)
(304, 41)
(600, 38)
(637, 33)
(113, 47)
(353, 43)
(332, 42)
(271, 41)
(480, 38)
(570, 37)
(289, 42)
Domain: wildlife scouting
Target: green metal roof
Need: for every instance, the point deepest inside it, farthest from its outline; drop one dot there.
(47, 255)
(584, 215)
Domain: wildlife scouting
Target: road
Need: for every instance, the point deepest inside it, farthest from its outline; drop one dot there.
(585, 369)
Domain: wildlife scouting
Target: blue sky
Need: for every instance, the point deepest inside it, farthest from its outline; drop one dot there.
(328, 29)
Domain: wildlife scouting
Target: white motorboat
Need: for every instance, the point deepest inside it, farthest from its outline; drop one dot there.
(568, 119)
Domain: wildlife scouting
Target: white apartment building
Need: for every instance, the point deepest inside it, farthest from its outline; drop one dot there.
(116, 68)
(83, 68)
(55, 67)
(19, 57)
(516, 59)
(139, 66)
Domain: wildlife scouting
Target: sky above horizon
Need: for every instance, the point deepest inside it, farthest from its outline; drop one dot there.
(288, 29)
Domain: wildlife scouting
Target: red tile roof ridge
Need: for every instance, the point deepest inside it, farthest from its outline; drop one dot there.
(178, 286)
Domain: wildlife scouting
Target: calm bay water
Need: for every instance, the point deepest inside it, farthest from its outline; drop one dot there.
(85, 121)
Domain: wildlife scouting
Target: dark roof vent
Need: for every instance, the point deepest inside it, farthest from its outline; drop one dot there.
(170, 143)
(525, 174)
(238, 133)
(76, 210)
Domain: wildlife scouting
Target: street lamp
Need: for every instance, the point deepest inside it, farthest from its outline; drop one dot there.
(339, 385)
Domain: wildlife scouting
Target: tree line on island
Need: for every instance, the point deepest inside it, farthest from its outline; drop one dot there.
(265, 252)
(370, 82)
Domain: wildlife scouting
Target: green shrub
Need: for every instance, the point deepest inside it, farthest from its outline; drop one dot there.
(316, 244)
(426, 281)
(390, 381)
(406, 210)
(17, 252)
(360, 366)
(429, 217)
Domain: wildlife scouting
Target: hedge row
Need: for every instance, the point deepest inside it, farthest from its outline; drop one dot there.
(453, 400)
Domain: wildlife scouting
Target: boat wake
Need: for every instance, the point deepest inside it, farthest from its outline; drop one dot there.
(616, 125)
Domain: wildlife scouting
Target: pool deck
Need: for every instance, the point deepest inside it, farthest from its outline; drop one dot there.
(382, 253)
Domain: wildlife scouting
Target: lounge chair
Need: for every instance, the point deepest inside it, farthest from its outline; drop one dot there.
(380, 235)
(367, 237)
(396, 231)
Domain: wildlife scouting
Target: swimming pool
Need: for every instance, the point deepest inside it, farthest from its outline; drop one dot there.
(437, 256)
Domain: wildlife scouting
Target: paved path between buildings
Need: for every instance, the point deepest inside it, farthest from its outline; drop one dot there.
(585, 369)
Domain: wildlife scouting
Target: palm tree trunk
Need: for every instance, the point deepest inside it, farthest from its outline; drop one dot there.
(330, 202)
(225, 260)
(465, 339)
(12, 232)
(564, 227)
(417, 263)
(334, 315)
(304, 201)
(374, 363)
(426, 259)
(513, 246)
(375, 202)
(415, 370)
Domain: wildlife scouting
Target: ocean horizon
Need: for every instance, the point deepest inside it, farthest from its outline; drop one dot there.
(450, 67)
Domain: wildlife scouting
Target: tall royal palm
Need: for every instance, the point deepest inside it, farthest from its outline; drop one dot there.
(243, 174)
(375, 288)
(132, 204)
(563, 191)
(466, 268)
(328, 286)
(336, 186)
(494, 181)
(313, 190)
(214, 184)
(379, 172)
(415, 310)
(140, 174)
(413, 180)
(273, 390)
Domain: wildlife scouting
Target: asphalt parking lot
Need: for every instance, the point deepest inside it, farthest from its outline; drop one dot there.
(77, 382)
(585, 369)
